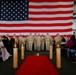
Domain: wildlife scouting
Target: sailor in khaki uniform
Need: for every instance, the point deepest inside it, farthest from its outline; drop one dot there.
(19, 41)
(35, 42)
(38, 42)
(30, 42)
(27, 44)
(57, 38)
(42, 42)
(47, 41)
(23, 40)
(16, 39)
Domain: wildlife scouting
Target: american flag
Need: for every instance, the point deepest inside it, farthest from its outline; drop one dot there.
(36, 16)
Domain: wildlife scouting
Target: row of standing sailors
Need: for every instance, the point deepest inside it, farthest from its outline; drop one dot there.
(37, 40)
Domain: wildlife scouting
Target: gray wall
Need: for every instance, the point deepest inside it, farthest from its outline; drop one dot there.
(74, 17)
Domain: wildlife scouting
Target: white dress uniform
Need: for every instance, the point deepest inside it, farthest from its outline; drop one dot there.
(38, 42)
(47, 41)
(5, 55)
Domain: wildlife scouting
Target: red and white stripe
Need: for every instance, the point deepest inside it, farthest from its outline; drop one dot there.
(52, 16)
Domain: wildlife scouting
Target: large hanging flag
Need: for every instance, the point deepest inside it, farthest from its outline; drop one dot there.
(36, 16)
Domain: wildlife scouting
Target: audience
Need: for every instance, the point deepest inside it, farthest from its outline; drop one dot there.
(71, 46)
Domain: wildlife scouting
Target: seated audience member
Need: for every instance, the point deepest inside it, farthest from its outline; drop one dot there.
(71, 46)
(4, 53)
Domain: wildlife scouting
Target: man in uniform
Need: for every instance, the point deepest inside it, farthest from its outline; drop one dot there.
(38, 42)
(35, 42)
(15, 37)
(19, 41)
(48, 39)
(27, 44)
(23, 40)
(57, 38)
(42, 42)
(30, 41)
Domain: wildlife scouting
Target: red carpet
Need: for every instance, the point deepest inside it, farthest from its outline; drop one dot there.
(37, 65)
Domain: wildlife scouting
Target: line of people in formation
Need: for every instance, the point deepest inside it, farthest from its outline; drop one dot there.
(31, 42)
